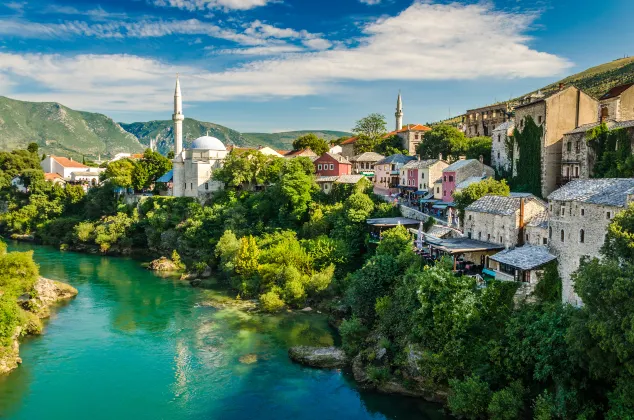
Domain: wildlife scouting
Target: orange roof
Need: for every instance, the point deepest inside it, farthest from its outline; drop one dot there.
(67, 163)
(50, 176)
(351, 140)
(413, 127)
(136, 156)
(283, 152)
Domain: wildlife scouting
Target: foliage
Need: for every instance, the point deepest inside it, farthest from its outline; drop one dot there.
(271, 302)
(373, 126)
(478, 190)
(619, 240)
(469, 397)
(452, 143)
(508, 403)
(528, 166)
(120, 172)
(548, 289)
(248, 168)
(312, 142)
(613, 149)
(353, 334)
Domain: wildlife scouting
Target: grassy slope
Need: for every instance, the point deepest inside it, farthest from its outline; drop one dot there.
(285, 139)
(61, 130)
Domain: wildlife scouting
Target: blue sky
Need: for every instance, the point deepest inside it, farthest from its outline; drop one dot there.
(276, 65)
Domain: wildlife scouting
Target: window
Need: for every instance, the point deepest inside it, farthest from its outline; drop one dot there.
(526, 237)
(551, 208)
(550, 232)
(437, 190)
(191, 185)
(577, 171)
(479, 235)
(607, 215)
(501, 239)
(445, 178)
(539, 119)
(583, 211)
(416, 136)
(562, 211)
(498, 155)
(206, 185)
(499, 138)
(444, 193)
(469, 217)
(325, 186)
(422, 175)
(469, 235)
(488, 237)
(185, 186)
(450, 178)
(544, 241)
(332, 166)
(569, 146)
(319, 167)
(582, 236)
(561, 235)
(578, 146)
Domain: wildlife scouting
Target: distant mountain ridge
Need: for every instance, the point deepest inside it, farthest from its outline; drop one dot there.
(60, 130)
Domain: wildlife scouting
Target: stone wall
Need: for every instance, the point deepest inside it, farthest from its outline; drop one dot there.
(500, 158)
(575, 156)
(536, 235)
(626, 105)
(567, 221)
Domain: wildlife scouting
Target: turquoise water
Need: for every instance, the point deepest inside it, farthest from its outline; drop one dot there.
(134, 345)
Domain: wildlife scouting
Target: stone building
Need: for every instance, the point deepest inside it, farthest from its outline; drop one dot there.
(500, 159)
(617, 104)
(579, 214)
(364, 164)
(523, 264)
(536, 230)
(422, 174)
(483, 121)
(459, 171)
(327, 183)
(193, 168)
(578, 157)
(502, 220)
(557, 113)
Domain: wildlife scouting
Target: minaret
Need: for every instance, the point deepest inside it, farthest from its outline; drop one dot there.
(178, 118)
(399, 112)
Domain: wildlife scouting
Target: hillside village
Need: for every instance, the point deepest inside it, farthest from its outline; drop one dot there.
(555, 142)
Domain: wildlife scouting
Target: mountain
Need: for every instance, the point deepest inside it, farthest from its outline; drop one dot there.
(285, 139)
(161, 131)
(61, 130)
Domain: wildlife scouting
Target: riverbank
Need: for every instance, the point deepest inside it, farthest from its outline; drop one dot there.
(34, 308)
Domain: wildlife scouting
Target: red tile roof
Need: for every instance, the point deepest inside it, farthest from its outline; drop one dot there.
(50, 176)
(67, 163)
(351, 140)
(303, 152)
(409, 127)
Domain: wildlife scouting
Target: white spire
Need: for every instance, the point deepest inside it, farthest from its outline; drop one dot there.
(178, 118)
(399, 112)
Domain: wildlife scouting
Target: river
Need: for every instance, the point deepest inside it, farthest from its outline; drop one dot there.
(135, 345)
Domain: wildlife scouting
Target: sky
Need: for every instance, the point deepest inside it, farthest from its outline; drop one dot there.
(281, 65)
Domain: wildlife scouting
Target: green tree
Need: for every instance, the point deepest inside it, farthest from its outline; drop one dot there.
(373, 127)
(120, 173)
(312, 142)
(358, 207)
(33, 148)
(469, 398)
(478, 190)
(227, 250)
(443, 139)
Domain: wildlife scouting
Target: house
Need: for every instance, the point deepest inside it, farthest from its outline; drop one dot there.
(411, 135)
(81, 177)
(556, 114)
(502, 220)
(500, 155)
(483, 121)
(64, 166)
(348, 146)
(578, 154)
(579, 214)
(327, 183)
(459, 171)
(420, 175)
(387, 171)
(364, 163)
(523, 264)
(301, 153)
(617, 104)
(18, 183)
(336, 149)
(330, 164)
(54, 178)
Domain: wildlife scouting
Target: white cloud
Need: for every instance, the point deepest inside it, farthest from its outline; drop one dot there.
(317, 43)
(265, 50)
(193, 5)
(424, 42)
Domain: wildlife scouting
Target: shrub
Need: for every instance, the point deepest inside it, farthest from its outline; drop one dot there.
(469, 398)
(378, 375)
(508, 403)
(353, 334)
(271, 302)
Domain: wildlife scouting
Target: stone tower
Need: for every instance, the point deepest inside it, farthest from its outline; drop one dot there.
(399, 112)
(178, 118)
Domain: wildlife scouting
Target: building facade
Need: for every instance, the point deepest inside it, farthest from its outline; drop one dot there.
(422, 174)
(617, 104)
(387, 171)
(330, 164)
(64, 167)
(461, 170)
(364, 163)
(557, 114)
(579, 214)
(483, 121)
(500, 154)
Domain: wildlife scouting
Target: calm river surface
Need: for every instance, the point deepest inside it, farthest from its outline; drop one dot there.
(133, 346)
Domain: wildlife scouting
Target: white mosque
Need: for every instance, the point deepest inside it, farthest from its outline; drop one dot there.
(193, 167)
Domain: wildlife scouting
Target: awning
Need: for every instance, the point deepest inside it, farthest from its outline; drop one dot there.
(166, 177)
(428, 200)
(452, 204)
(488, 272)
(421, 192)
(439, 206)
(367, 173)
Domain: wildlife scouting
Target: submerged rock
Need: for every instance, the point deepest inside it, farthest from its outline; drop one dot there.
(319, 357)
(248, 359)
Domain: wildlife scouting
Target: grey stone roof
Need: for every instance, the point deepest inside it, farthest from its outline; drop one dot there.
(471, 180)
(326, 178)
(539, 220)
(526, 257)
(367, 157)
(397, 158)
(503, 206)
(505, 126)
(439, 231)
(338, 157)
(460, 164)
(606, 191)
(420, 164)
(612, 125)
(349, 179)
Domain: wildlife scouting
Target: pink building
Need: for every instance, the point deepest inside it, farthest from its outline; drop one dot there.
(462, 170)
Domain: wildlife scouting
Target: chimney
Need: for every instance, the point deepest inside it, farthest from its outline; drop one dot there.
(520, 239)
(439, 156)
(418, 157)
(561, 86)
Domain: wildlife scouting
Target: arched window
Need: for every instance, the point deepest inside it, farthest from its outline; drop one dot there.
(582, 236)
(562, 235)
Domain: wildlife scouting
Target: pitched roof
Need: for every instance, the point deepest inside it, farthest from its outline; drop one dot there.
(331, 178)
(420, 164)
(611, 124)
(616, 91)
(283, 152)
(506, 125)
(303, 152)
(500, 205)
(338, 158)
(68, 163)
(167, 177)
(459, 164)
(351, 140)
(367, 157)
(471, 180)
(85, 173)
(50, 176)
(606, 191)
(349, 179)
(397, 158)
(539, 220)
(412, 127)
(526, 257)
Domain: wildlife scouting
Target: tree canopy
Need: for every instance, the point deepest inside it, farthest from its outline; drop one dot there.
(312, 142)
(373, 127)
(478, 190)
(452, 143)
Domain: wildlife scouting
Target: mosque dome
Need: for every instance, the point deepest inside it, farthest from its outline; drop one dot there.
(208, 143)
